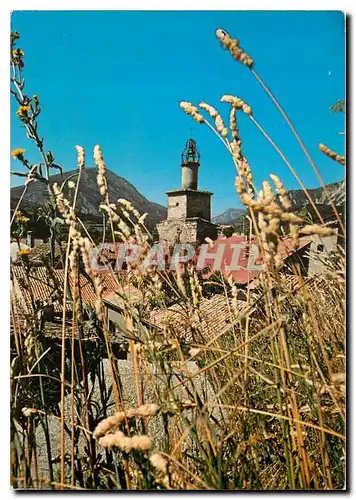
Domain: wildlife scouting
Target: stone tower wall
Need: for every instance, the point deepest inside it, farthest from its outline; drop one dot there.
(199, 205)
(189, 204)
(186, 231)
(190, 175)
(177, 206)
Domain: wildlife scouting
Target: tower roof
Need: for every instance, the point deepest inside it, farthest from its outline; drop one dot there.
(190, 152)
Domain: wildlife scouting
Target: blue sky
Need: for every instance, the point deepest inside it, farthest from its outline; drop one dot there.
(116, 79)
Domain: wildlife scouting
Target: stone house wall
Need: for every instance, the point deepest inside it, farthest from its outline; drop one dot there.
(319, 248)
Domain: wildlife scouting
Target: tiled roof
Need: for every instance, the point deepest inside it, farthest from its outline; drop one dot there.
(244, 274)
(44, 284)
(286, 246)
(43, 251)
(131, 293)
(215, 313)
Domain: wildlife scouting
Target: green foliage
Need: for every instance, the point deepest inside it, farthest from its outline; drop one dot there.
(338, 107)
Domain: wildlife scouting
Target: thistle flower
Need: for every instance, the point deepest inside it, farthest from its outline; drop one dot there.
(23, 251)
(22, 112)
(191, 110)
(18, 153)
(19, 217)
(232, 44)
(17, 57)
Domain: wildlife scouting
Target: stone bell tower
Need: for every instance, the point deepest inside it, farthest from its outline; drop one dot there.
(189, 209)
(190, 165)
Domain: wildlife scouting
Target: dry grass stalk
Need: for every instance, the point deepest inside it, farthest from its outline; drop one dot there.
(331, 154)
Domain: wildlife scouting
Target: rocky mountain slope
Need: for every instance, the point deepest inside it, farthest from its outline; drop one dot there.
(89, 197)
(337, 190)
(229, 215)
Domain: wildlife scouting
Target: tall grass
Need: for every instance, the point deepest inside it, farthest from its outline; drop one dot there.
(255, 404)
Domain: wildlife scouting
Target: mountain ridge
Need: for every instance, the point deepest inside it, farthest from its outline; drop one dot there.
(298, 198)
(89, 198)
